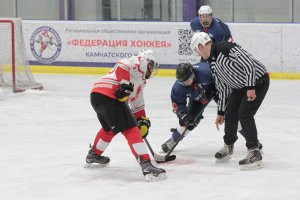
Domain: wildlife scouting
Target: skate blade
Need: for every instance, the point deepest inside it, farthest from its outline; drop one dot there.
(252, 166)
(223, 160)
(151, 178)
(95, 165)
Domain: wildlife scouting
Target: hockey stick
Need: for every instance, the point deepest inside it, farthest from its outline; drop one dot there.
(185, 131)
(159, 158)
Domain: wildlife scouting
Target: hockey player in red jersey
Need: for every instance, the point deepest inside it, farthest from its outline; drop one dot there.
(118, 100)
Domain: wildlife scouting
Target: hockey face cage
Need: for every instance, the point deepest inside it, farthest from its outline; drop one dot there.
(152, 69)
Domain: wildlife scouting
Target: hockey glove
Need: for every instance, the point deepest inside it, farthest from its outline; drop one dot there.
(144, 125)
(123, 92)
(187, 121)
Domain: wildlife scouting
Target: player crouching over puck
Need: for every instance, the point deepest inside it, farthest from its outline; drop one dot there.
(118, 101)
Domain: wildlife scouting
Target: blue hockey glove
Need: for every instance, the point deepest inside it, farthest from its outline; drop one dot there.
(187, 121)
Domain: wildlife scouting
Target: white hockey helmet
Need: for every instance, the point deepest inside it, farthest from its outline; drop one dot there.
(147, 56)
(199, 38)
(205, 10)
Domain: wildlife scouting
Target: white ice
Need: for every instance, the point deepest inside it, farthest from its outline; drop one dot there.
(45, 136)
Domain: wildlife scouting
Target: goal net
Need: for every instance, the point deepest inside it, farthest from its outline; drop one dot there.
(15, 72)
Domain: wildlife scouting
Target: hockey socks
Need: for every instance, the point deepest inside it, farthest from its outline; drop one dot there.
(178, 132)
(136, 143)
(102, 141)
(176, 135)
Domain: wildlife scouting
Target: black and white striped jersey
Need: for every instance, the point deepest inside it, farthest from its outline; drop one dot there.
(233, 68)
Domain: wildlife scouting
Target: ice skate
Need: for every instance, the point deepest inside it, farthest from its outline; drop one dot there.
(93, 160)
(168, 145)
(150, 172)
(224, 154)
(260, 146)
(252, 161)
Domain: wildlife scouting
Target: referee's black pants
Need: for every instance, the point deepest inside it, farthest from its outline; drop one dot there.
(240, 109)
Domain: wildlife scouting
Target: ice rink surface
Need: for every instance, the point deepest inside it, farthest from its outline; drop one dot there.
(44, 138)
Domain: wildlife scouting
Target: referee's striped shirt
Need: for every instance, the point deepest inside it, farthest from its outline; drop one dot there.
(233, 68)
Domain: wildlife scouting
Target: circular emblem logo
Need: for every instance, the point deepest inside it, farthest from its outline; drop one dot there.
(45, 44)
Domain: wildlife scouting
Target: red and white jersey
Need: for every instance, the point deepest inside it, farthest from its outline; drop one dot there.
(125, 71)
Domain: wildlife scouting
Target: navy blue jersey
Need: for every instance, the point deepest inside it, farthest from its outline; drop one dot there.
(218, 31)
(203, 86)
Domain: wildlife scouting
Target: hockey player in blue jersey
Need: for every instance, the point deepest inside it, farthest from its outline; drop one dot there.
(191, 92)
(214, 27)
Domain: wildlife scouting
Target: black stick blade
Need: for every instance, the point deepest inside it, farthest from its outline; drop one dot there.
(170, 158)
(162, 159)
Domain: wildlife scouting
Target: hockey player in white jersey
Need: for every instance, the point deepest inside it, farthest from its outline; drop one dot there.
(118, 100)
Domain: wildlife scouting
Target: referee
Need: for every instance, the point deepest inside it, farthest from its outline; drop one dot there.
(242, 83)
